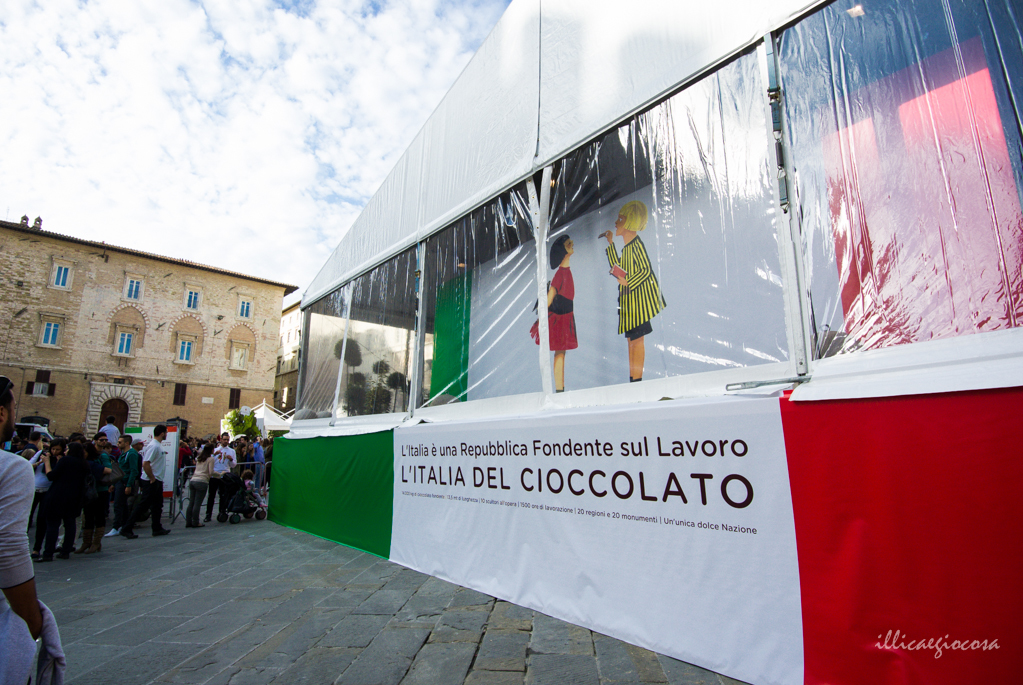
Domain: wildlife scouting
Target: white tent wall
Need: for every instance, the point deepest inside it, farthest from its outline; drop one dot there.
(479, 140)
(601, 61)
(550, 76)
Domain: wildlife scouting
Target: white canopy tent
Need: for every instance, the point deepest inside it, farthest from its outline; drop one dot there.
(549, 78)
(269, 419)
(835, 196)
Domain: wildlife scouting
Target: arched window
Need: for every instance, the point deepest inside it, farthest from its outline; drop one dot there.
(127, 331)
(186, 340)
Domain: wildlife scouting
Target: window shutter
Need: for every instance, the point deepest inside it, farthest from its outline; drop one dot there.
(42, 376)
(52, 389)
(29, 387)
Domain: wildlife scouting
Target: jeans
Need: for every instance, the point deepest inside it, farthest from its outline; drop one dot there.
(94, 514)
(42, 523)
(150, 497)
(37, 501)
(53, 521)
(196, 493)
(120, 505)
(216, 485)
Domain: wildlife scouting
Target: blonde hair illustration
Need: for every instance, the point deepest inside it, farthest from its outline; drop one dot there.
(635, 214)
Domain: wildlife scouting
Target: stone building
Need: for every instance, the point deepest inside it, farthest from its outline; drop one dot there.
(286, 383)
(93, 330)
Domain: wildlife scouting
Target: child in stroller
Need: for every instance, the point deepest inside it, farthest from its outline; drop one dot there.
(246, 501)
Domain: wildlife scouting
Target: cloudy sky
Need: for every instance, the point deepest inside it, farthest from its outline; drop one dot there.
(246, 134)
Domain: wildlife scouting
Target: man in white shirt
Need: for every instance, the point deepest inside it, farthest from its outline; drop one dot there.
(111, 430)
(154, 465)
(17, 576)
(224, 459)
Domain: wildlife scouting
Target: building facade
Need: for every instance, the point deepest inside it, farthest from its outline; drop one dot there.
(286, 382)
(95, 330)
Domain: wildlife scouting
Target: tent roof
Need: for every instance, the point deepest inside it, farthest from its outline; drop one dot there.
(272, 421)
(549, 77)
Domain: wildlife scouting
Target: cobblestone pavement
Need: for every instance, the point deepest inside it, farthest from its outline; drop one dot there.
(258, 603)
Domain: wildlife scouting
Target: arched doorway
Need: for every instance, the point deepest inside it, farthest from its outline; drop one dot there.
(117, 408)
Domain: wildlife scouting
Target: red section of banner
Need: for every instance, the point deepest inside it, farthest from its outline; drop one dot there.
(907, 519)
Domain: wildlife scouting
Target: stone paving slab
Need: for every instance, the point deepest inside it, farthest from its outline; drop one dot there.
(260, 604)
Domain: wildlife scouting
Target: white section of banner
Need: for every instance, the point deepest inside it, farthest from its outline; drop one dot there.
(669, 525)
(170, 445)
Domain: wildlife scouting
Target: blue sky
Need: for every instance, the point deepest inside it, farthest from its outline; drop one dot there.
(246, 134)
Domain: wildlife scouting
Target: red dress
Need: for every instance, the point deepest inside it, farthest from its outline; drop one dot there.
(561, 326)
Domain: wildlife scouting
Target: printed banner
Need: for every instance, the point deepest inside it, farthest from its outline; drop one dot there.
(669, 525)
(170, 445)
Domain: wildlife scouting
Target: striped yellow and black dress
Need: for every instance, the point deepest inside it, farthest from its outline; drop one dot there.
(641, 300)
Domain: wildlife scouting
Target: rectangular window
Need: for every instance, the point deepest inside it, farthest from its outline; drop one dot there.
(51, 334)
(235, 400)
(41, 387)
(124, 343)
(185, 352)
(245, 309)
(62, 274)
(134, 288)
(192, 300)
(180, 389)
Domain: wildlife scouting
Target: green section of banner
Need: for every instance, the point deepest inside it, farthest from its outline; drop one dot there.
(449, 374)
(339, 488)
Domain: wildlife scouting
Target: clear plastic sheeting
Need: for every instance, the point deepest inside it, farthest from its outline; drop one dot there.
(324, 324)
(664, 235)
(480, 286)
(381, 340)
(906, 159)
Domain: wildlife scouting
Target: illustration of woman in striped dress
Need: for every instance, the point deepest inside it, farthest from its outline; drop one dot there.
(639, 295)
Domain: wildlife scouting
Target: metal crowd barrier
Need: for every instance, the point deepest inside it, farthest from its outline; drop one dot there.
(179, 500)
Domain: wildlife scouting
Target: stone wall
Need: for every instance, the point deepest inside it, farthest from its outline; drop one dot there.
(95, 308)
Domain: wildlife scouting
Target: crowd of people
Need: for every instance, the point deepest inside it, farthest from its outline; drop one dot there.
(83, 479)
(54, 484)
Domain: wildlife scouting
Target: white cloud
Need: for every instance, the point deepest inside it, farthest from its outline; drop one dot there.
(246, 134)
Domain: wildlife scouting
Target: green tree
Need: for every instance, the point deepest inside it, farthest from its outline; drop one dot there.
(355, 398)
(397, 381)
(353, 355)
(242, 424)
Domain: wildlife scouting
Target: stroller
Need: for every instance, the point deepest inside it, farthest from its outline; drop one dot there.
(245, 503)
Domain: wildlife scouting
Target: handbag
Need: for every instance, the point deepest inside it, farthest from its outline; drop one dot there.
(115, 476)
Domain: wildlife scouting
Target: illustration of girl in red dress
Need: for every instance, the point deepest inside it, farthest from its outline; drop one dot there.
(560, 317)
